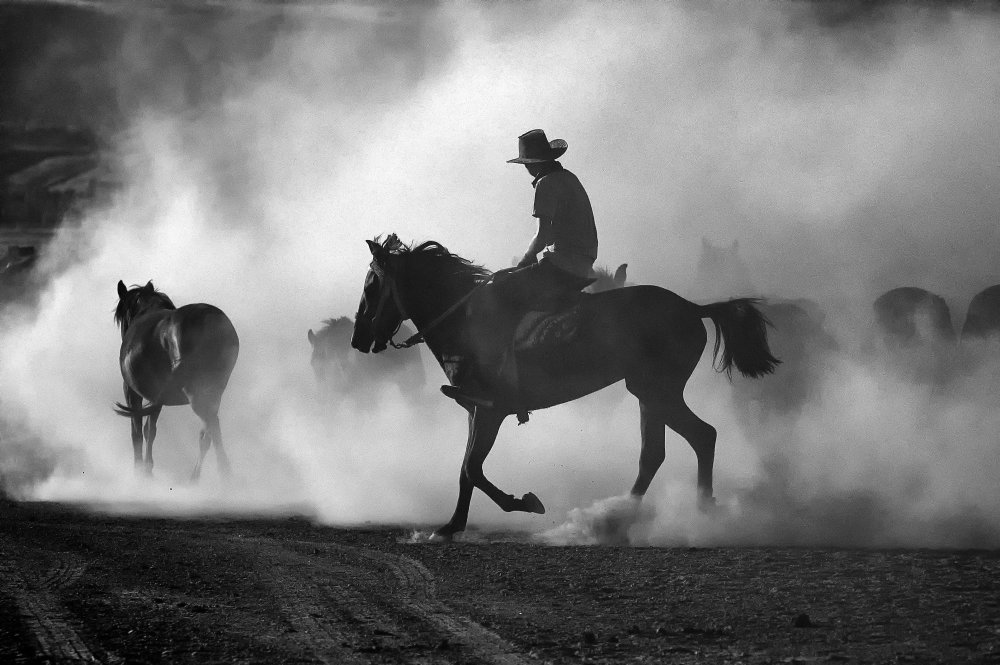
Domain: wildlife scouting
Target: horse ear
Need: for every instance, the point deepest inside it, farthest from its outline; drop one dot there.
(312, 337)
(620, 274)
(376, 249)
(149, 286)
(122, 290)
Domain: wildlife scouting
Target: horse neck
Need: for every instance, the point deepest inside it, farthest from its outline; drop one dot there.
(149, 309)
(428, 297)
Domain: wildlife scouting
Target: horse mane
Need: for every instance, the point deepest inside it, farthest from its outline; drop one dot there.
(329, 324)
(135, 303)
(331, 328)
(432, 255)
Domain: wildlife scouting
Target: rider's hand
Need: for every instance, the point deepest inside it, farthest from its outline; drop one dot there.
(501, 274)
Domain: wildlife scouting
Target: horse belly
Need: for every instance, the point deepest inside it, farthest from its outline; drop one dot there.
(566, 372)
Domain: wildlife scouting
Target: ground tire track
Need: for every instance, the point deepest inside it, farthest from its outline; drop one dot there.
(419, 594)
(65, 573)
(337, 620)
(44, 617)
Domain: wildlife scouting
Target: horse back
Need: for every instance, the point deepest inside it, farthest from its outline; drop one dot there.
(635, 310)
(201, 334)
(605, 336)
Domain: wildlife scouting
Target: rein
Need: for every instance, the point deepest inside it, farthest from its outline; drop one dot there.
(420, 336)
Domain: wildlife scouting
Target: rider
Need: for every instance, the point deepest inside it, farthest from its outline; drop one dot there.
(566, 237)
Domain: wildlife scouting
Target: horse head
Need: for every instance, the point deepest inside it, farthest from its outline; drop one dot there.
(136, 301)
(380, 312)
(329, 346)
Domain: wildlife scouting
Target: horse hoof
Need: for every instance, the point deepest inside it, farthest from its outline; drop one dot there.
(707, 505)
(439, 537)
(532, 504)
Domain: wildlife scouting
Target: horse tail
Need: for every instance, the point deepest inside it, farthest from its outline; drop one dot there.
(138, 412)
(741, 336)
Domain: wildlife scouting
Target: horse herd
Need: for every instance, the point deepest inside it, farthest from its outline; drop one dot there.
(910, 332)
(185, 355)
(909, 315)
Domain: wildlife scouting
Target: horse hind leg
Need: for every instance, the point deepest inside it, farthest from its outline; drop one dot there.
(653, 451)
(149, 434)
(206, 407)
(701, 437)
(671, 411)
(204, 443)
(143, 464)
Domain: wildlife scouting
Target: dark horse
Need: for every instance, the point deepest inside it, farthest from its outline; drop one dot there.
(646, 335)
(908, 316)
(172, 356)
(983, 318)
(339, 370)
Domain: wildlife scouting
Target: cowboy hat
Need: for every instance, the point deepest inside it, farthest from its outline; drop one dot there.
(533, 147)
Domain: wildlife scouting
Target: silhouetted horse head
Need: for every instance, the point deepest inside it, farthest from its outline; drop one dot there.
(138, 300)
(382, 311)
(325, 342)
(379, 312)
(340, 370)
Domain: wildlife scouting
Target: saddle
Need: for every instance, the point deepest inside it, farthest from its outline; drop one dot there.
(538, 329)
(551, 318)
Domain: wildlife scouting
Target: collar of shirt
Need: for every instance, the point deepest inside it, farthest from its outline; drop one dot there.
(555, 166)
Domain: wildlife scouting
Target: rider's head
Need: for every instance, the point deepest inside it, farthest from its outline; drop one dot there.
(536, 152)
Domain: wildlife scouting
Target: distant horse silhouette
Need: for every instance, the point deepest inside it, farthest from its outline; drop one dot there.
(721, 270)
(802, 342)
(339, 369)
(172, 356)
(908, 316)
(646, 335)
(983, 318)
(605, 280)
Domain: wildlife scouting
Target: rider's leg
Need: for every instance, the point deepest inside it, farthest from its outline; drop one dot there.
(496, 311)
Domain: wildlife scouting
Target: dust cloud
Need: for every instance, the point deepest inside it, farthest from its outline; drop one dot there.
(847, 150)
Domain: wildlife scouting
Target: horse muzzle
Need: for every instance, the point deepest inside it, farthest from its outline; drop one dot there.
(362, 343)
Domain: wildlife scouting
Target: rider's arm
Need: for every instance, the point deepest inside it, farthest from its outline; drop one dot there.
(542, 239)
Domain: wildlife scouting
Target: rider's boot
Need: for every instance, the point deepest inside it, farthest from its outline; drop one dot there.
(475, 388)
(472, 393)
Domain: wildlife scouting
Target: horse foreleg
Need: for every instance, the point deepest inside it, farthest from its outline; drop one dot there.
(484, 424)
(149, 433)
(461, 515)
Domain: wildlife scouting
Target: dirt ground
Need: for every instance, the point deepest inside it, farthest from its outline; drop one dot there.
(82, 586)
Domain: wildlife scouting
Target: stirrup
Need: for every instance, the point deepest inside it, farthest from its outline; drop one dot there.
(461, 397)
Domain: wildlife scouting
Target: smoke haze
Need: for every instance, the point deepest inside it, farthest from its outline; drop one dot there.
(848, 152)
